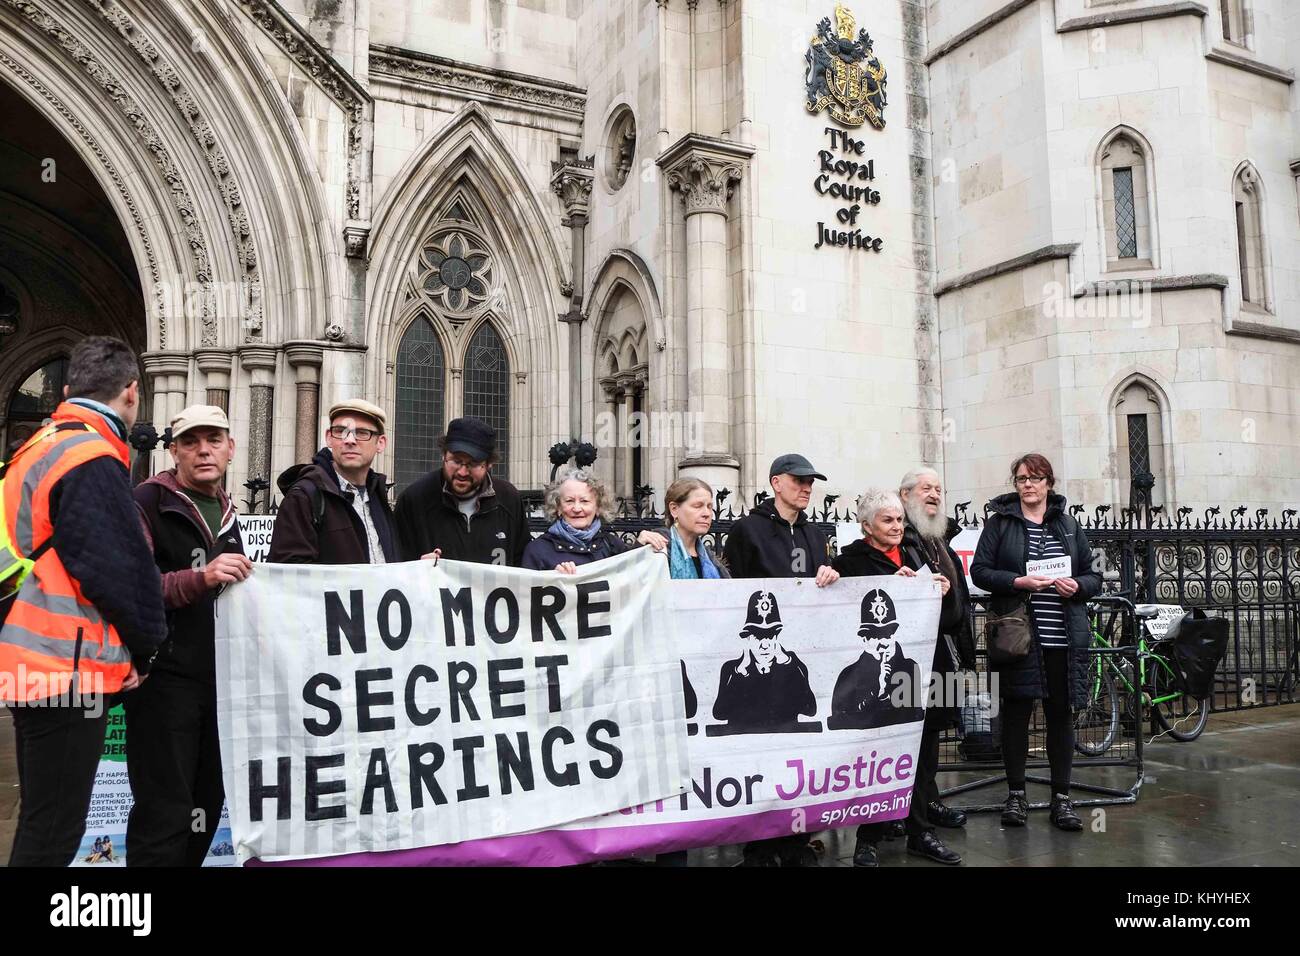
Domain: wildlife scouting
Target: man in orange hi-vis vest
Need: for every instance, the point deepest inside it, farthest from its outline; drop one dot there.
(80, 596)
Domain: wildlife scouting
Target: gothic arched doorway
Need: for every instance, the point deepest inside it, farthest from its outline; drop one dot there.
(65, 267)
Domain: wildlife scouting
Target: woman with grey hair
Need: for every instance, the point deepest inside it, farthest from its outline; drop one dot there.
(879, 552)
(579, 506)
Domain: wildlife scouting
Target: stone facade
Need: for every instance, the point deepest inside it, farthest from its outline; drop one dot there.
(1077, 226)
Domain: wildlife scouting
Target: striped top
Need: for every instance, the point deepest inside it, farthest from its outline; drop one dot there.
(1049, 610)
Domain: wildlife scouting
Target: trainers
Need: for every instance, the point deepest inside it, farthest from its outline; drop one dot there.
(865, 854)
(942, 816)
(928, 845)
(1016, 811)
(1064, 816)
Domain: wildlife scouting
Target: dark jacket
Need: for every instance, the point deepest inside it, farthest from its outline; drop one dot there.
(428, 519)
(755, 702)
(857, 703)
(1000, 559)
(547, 550)
(861, 559)
(96, 534)
(956, 620)
(764, 545)
(341, 538)
(182, 544)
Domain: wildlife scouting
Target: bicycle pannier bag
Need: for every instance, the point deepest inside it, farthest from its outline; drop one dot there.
(1199, 644)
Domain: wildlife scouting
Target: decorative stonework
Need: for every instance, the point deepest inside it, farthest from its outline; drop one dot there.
(470, 82)
(356, 240)
(572, 182)
(456, 271)
(339, 85)
(217, 160)
(158, 292)
(202, 130)
(704, 171)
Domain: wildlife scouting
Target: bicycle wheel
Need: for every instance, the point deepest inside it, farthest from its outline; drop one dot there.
(1182, 717)
(1097, 722)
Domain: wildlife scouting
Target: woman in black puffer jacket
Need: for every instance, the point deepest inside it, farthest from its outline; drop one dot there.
(1032, 525)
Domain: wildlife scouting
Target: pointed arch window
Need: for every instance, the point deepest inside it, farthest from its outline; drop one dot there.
(487, 389)
(622, 352)
(1127, 207)
(1139, 430)
(421, 405)
(1251, 259)
(1232, 16)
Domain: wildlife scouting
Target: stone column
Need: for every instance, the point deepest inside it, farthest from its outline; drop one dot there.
(571, 181)
(609, 466)
(628, 387)
(259, 362)
(704, 172)
(306, 359)
(455, 407)
(168, 373)
(215, 364)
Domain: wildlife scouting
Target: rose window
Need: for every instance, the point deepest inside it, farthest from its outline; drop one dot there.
(457, 271)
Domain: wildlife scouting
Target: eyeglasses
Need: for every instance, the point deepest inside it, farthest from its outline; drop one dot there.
(463, 465)
(1026, 479)
(341, 432)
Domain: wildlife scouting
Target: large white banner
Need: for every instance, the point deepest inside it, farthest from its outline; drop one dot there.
(369, 709)
(804, 710)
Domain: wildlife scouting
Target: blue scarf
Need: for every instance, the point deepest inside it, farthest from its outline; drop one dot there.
(113, 418)
(680, 565)
(578, 538)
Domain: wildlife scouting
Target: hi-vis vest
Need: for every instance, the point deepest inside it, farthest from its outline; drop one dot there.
(52, 631)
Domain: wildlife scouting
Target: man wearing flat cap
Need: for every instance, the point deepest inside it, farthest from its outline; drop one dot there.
(776, 540)
(173, 753)
(864, 692)
(765, 690)
(461, 511)
(335, 508)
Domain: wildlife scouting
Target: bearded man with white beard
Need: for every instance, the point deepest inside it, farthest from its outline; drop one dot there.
(925, 537)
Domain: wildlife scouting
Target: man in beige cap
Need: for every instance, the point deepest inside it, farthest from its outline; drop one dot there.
(173, 753)
(335, 509)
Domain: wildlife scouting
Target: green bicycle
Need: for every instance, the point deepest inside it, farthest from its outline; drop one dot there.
(1112, 677)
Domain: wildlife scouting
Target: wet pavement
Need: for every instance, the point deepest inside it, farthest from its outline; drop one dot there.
(1230, 798)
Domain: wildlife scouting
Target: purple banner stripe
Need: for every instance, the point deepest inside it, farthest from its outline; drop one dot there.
(569, 847)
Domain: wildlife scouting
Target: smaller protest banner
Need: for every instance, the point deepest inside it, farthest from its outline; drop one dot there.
(257, 535)
(104, 842)
(964, 545)
(1054, 568)
(1159, 625)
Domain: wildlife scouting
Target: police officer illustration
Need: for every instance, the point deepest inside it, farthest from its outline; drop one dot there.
(766, 689)
(864, 694)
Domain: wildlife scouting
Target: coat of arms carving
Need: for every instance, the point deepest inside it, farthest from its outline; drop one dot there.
(844, 75)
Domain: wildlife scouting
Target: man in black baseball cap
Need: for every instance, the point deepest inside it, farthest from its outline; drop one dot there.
(776, 540)
(462, 512)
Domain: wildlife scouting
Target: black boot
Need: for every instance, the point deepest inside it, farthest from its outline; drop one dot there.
(942, 816)
(1064, 816)
(928, 845)
(1016, 811)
